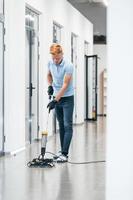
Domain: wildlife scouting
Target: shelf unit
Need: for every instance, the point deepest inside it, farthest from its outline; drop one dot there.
(104, 92)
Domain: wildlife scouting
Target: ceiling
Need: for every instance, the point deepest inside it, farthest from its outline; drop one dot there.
(94, 11)
(90, 2)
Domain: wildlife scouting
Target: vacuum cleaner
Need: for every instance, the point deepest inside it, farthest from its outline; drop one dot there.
(42, 161)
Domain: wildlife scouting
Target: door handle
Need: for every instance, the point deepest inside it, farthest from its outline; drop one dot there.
(31, 88)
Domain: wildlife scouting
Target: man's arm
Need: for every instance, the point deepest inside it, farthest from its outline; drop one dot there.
(66, 82)
(49, 78)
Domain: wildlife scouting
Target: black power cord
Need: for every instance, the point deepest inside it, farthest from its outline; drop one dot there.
(78, 163)
(87, 162)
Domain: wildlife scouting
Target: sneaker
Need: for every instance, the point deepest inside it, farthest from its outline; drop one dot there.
(62, 159)
(57, 155)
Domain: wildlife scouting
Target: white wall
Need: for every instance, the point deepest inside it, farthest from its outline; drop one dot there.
(15, 60)
(14, 75)
(120, 101)
(101, 51)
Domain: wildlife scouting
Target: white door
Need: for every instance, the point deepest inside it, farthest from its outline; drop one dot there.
(32, 77)
(91, 87)
(86, 53)
(74, 61)
(56, 39)
(1, 79)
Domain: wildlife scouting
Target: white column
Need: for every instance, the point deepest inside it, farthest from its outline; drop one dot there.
(120, 101)
(14, 68)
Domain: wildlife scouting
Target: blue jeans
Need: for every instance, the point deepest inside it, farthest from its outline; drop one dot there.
(64, 113)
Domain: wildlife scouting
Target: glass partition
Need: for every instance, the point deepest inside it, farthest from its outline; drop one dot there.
(1, 89)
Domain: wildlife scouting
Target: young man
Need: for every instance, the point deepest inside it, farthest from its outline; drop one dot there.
(59, 78)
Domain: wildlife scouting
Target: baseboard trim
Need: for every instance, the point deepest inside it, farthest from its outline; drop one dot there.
(101, 115)
(80, 123)
(17, 151)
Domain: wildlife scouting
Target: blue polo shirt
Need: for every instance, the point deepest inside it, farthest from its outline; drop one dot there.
(58, 72)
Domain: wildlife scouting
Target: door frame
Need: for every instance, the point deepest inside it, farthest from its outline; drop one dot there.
(86, 87)
(28, 7)
(3, 80)
(56, 39)
(74, 36)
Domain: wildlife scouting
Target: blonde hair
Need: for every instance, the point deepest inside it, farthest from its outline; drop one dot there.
(56, 49)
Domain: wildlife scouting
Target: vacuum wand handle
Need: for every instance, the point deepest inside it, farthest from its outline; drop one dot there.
(44, 136)
(50, 97)
(44, 142)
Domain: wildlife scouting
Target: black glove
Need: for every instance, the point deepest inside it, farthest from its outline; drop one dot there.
(50, 90)
(51, 105)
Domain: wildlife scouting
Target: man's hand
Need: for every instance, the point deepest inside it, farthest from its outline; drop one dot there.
(51, 105)
(50, 90)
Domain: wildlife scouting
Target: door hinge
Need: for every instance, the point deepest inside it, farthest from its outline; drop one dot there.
(4, 138)
(4, 47)
(4, 31)
(38, 127)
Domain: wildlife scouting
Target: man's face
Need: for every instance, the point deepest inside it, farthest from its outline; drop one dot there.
(57, 58)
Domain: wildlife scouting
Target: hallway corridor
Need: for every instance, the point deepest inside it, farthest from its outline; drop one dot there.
(64, 181)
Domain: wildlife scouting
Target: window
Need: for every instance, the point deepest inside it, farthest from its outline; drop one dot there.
(56, 33)
(1, 7)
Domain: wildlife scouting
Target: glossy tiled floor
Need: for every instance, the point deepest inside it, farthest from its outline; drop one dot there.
(64, 181)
